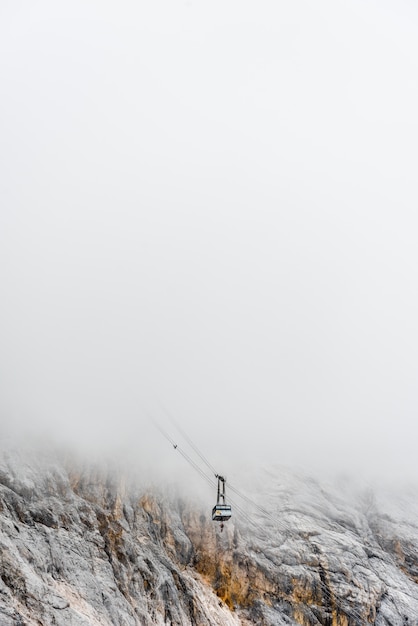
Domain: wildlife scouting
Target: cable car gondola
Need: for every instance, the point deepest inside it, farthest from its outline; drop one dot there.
(221, 512)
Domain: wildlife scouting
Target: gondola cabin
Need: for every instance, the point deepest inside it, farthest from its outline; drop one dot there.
(222, 511)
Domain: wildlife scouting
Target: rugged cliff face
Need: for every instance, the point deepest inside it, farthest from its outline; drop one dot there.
(82, 547)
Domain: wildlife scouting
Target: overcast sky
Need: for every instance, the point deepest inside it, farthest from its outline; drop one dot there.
(210, 208)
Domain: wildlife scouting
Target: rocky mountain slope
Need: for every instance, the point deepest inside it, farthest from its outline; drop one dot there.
(80, 546)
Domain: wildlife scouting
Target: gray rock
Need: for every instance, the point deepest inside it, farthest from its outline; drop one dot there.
(79, 547)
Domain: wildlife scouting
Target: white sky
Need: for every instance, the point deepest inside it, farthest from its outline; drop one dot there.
(212, 207)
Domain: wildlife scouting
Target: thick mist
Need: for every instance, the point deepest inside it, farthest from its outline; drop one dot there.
(209, 211)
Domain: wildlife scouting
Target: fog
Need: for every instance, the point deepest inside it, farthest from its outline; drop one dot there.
(209, 211)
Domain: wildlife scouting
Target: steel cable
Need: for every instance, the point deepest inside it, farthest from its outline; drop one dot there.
(333, 602)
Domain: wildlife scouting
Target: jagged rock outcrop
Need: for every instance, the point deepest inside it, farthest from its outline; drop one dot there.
(79, 546)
